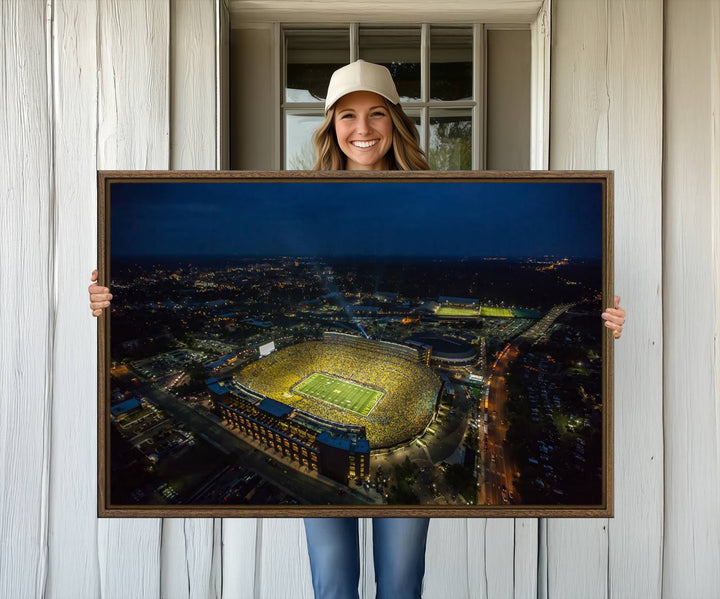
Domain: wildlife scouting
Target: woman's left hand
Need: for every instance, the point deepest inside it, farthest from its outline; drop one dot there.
(615, 318)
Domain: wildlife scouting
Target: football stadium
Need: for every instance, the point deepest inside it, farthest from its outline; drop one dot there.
(446, 350)
(452, 308)
(351, 381)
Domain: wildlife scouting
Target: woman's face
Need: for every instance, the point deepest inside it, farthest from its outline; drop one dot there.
(364, 130)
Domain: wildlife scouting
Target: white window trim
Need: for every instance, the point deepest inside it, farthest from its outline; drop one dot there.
(540, 89)
(278, 91)
(384, 11)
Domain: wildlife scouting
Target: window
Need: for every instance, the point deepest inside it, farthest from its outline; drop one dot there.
(434, 69)
(467, 87)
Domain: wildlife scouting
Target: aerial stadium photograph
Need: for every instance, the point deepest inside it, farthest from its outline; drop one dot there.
(278, 342)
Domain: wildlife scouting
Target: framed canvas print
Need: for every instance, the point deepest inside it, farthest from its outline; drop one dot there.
(355, 344)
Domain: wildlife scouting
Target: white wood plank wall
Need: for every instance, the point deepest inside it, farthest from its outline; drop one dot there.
(27, 315)
(635, 87)
(73, 539)
(692, 304)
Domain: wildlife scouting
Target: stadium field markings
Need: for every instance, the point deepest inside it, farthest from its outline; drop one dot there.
(340, 393)
(497, 312)
(450, 311)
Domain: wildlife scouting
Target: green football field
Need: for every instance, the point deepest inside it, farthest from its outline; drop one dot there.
(449, 311)
(343, 394)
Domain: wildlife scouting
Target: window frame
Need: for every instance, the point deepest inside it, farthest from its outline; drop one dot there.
(476, 106)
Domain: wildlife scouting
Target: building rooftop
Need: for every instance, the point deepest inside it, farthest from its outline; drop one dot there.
(217, 389)
(125, 406)
(275, 407)
(339, 442)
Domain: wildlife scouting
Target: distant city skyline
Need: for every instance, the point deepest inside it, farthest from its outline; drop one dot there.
(369, 219)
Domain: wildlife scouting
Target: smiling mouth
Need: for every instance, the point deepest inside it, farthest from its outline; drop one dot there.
(364, 144)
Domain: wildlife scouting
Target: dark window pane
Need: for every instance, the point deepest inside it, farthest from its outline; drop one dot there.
(451, 55)
(311, 58)
(450, 147)
(399, 51)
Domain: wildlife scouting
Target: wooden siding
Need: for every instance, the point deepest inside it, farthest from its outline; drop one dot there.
(73, 524)
(635, 87)
(27, 296)
(692, 304)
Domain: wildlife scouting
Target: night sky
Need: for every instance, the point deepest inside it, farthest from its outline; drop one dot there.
(442, 220)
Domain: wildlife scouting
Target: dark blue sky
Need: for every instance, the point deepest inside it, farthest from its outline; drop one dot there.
(357, 219)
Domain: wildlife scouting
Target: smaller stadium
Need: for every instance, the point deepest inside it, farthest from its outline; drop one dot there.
(459, 308)
(446, 350)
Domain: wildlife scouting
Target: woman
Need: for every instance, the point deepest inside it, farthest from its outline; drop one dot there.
(365, 129)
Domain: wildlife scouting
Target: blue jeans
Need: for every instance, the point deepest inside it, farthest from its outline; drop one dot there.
(398, 552)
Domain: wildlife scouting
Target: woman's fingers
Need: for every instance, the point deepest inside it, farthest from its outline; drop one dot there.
(614, 318)
(614, 314)
(99, 296)
(95, 288)
(615, 327)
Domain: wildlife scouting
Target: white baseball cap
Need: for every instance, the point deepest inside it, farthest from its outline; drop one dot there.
(361, 76)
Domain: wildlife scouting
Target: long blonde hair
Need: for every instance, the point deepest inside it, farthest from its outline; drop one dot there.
(405, 153)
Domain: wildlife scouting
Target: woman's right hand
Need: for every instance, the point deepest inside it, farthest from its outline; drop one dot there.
(99, 296)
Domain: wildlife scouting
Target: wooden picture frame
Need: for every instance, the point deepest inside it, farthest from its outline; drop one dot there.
(279, 343)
